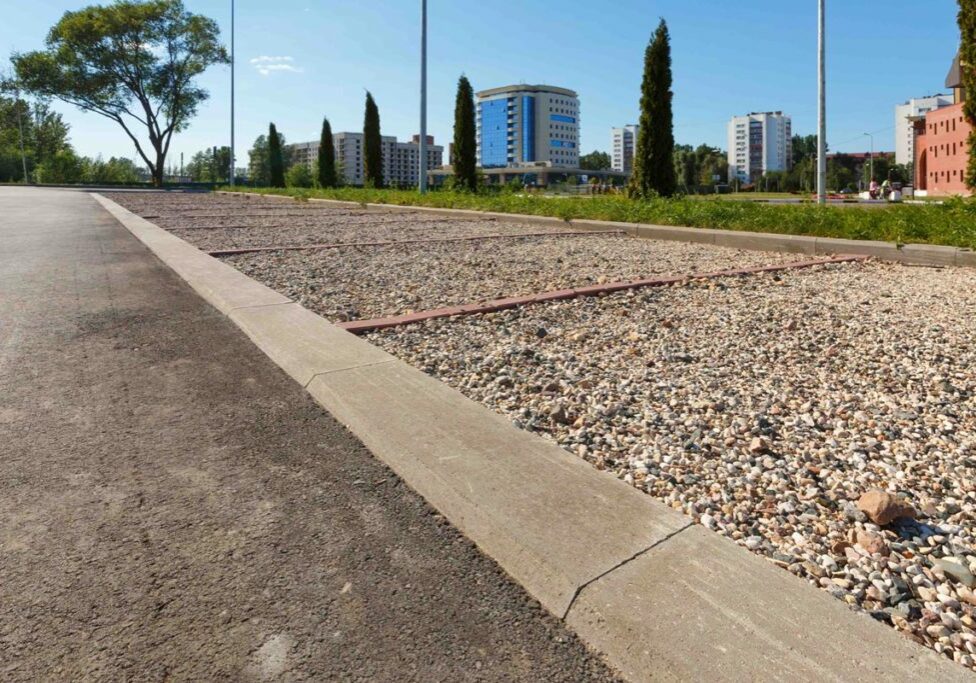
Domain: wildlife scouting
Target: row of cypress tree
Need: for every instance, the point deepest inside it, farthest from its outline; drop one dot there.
(463, 152)
(327, 175)
(326, 166)
(464, 149)
(653, 168)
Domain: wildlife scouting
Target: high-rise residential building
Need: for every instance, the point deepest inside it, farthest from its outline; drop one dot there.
(527, 124)
(303, 153)
(758, 143)
(622, 144)
(401, 160)
(905, 129)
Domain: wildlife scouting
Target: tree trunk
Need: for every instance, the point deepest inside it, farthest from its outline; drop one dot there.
(158, 169)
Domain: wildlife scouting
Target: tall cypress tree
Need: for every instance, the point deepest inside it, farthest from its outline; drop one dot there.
(653, 172)
(464, 150)
(327, 168)
(372, 145)
(967, 70)
(275, 160)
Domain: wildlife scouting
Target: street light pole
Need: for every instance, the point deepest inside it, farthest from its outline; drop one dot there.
(20, 124)
(822, 106)
(871, 158)
(422, 185)
(232, 160)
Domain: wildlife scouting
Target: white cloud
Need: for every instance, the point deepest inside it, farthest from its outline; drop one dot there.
(265, 64)
(266, 59)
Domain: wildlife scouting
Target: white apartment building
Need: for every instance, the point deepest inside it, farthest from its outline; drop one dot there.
(527, 124)
(401, 160)
(303, 153)
(904, 128)
(622, 144)
(758, 143)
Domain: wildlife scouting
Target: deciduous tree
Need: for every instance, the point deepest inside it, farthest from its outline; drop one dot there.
(299, 175)
(258, 170)
(210, 165)
(595, 161)
(45, 135)
(115, 171)
(132, 62)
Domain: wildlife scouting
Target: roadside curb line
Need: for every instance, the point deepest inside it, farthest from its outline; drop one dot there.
(363, 326)
(916, 254)
(659, 596)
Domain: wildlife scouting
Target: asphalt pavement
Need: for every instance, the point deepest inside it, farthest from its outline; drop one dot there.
(174, 507)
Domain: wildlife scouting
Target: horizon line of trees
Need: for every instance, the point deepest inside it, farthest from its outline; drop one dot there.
(35, 137)
(136, 63)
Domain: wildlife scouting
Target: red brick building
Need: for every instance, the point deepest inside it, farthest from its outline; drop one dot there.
(941, 152)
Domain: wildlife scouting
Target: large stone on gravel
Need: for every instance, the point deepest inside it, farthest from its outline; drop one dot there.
(873, 543)
(758, 445)
(883, 508)
(957, 569)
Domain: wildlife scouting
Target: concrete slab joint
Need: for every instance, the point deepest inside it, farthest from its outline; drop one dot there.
(659, 596)
(538, 510)
(700, 608)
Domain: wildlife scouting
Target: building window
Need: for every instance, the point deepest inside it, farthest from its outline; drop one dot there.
(494, 126)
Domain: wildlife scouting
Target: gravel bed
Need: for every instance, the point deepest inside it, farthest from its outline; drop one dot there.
(199, 202)
(764, 407)
(371, 282)
(264, 223)
(281, 233)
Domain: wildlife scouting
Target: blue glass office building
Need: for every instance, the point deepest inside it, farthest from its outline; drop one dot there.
(527, 125)
(494, 133)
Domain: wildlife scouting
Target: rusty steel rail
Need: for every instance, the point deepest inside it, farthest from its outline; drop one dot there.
(363, 326)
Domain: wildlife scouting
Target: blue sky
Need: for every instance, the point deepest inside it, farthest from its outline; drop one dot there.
(729, 58)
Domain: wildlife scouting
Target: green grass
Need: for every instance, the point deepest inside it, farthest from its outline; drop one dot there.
(952, 223)
(750, 196)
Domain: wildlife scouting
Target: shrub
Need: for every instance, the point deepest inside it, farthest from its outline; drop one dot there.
(299, 176)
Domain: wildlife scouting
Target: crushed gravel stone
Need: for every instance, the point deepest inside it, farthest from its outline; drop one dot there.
(371, 282)
(765, 407)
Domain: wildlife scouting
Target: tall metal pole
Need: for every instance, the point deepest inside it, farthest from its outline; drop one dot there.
(871, 158)
(822, 109)
(423, 97)
(232, 160)
(20, 124)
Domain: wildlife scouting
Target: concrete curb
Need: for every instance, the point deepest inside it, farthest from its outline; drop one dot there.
(362, 326)
(917, 254)
(659, 596)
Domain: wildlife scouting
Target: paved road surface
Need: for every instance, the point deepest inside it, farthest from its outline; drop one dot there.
(173, 507)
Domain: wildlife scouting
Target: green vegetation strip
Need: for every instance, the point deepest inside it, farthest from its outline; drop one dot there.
(952, 223)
